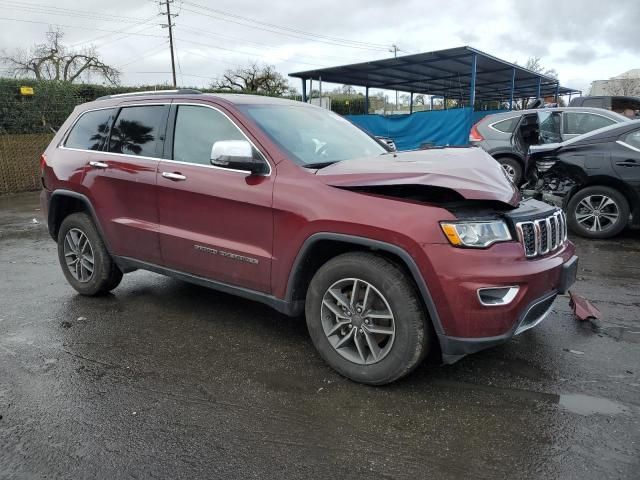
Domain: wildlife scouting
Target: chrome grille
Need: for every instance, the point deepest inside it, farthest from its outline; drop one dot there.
(543, 235)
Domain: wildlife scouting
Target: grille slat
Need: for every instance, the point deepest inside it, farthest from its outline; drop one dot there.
(543, 235)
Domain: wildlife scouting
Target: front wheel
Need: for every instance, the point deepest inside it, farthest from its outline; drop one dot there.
(513, 169)
(365, 318)
(597, 212)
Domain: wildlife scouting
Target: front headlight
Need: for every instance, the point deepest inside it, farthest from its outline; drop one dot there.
(476, 234)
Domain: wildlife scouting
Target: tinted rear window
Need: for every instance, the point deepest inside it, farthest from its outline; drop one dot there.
(507, 125)
(136, 131)
(91, 130)
(594, 102)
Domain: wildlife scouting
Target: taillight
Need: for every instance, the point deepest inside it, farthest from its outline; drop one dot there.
(474, 134)
(43, 163)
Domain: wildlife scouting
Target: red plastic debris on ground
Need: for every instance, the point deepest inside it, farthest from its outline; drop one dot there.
(582, 308)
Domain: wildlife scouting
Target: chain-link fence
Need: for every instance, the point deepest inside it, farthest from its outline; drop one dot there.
(29, 119)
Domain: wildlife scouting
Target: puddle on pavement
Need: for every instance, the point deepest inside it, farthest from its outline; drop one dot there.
(586, 405)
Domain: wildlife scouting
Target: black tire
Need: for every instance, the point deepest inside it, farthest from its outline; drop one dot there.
(412, 333)
(512, 165)
(576, 206)
(106, 275)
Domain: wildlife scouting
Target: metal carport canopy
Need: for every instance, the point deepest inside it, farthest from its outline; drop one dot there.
(462, 73)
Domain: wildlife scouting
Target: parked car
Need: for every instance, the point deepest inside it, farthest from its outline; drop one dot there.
(390, 256)
(628, 106)
(493, 133)
(596, 177)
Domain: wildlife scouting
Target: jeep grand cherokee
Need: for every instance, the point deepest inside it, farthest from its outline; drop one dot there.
(390, 256)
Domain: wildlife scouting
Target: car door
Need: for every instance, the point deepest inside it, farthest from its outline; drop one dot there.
(578, 123)
(626, 159)
(215, 222)
(122, 181)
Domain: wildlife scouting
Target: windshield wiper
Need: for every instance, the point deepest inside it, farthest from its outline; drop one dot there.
(320, 164)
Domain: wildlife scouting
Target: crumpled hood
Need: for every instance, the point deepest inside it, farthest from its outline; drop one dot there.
(470, 171)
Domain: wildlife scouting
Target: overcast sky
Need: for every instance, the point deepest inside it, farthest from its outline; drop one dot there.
(582, 40)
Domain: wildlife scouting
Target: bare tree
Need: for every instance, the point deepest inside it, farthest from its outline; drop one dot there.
(535, 65)
(52, 60)
(625, 86)
(255, 78)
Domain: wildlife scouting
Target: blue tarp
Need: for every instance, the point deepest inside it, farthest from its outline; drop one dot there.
(437, 127)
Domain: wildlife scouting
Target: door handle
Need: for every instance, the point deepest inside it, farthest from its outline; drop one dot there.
(98, 164)
(176, 177)
(628, 163)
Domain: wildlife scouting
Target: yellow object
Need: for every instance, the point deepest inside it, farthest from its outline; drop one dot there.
(451, 233)
(26, 90)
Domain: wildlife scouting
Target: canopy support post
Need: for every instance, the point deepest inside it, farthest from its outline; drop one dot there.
(539, 87)
(304, 90)
(513, 88)
(366, 100)
(431, 102)
(558, 92)
(411, 103)
(472, 93)
(320, 90)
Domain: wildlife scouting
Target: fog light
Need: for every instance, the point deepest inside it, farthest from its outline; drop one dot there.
(497, 296)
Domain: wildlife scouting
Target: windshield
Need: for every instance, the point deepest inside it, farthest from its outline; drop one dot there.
(313, 136)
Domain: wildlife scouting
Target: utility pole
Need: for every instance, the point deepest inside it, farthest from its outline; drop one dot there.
(170, 26)
(394, 48)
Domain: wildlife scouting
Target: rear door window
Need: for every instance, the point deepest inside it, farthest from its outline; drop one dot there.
(197, 129)
(91, 130)
(138, 131)
(633, 139)
(507, 125)
(577, 123)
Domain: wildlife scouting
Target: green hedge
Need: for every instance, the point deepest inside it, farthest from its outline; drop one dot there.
(51, 103)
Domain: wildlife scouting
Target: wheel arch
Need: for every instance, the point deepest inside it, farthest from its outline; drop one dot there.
(320, 247)
(65, 202)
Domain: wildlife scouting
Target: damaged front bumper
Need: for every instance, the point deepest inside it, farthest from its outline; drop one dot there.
(531, 314)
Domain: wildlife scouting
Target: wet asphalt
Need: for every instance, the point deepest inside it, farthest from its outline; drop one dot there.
(163, 379)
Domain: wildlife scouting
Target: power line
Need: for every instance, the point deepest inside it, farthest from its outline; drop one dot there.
(248, 53)
(49, 10)
(286, 34)
(94, 29)
(289, 29)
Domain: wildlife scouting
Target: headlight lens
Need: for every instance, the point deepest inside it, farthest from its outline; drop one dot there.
(476, 234)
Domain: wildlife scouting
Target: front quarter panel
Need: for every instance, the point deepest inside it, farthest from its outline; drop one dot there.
(304, 206)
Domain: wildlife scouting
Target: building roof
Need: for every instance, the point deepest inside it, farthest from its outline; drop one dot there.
(442, 73)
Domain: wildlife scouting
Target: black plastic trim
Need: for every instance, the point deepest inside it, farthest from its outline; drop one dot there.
(454, 348)
(83, 198)
(282, 306)
(375, 245)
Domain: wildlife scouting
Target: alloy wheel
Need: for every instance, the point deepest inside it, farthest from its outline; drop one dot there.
(78, 255)
(510, 171)
(357, 321)
(597, 213)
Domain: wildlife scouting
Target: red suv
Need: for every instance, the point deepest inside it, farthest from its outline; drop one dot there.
(389, 255)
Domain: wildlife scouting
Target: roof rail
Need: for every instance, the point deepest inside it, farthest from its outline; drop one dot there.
(182, 91)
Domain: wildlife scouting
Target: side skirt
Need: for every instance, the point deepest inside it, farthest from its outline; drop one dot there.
(127, 264)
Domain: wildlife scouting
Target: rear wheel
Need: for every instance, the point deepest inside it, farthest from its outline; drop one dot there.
(365, 318)
(512, 168)
(597, 212)
(85, 262)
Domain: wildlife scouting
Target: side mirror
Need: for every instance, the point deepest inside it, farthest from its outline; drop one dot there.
(237, 155)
